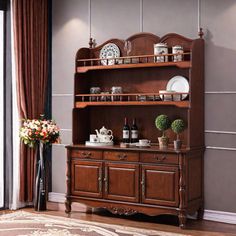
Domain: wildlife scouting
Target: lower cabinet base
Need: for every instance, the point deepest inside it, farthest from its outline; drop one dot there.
(131, 209)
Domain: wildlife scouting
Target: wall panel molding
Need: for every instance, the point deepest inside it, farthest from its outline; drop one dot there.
(69, 130)
(220, 92)
(220, 132)
(141, 16)
(60, 144)
(62, 95)
(221, 148)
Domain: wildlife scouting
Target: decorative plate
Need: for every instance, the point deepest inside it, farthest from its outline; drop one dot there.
(179, 84)
(109, 50)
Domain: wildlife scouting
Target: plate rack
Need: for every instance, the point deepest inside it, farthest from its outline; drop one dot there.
(140, 97)
(130, 59)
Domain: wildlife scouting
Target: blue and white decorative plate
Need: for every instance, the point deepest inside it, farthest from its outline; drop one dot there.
(109, 50)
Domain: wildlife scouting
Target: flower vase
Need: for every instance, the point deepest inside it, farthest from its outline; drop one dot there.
(40, 202)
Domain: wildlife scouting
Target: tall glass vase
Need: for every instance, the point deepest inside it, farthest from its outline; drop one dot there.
(40, 203)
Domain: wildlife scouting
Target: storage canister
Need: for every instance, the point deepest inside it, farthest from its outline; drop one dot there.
(175, 50)
(159, 49)
(116, 90)
(94, 90)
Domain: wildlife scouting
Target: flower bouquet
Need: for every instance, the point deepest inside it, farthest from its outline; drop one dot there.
(40, 133)
(35, 130)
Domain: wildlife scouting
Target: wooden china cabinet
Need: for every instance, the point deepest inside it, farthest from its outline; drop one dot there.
(133, 180)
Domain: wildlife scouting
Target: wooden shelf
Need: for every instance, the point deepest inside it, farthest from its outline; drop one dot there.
(180, 104)
(153, 148)
(95, 173)
(180, 64)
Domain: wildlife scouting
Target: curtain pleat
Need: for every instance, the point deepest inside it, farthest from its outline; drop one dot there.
(30, 21)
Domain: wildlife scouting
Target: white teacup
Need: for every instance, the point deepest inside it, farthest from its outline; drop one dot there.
(93, 138)
(144, 142)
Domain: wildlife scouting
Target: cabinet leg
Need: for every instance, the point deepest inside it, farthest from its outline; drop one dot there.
(182, 220)
(89, 210)
(68, 206)
(200, 213)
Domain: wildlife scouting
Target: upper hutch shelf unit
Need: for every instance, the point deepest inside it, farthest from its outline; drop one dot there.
(131, 180)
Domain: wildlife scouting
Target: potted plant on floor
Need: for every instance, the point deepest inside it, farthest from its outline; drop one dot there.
(178, 127)
(163, 123)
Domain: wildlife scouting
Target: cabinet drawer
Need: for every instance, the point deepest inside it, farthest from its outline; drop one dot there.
(86, 154)
(121, 156)
(159, 158)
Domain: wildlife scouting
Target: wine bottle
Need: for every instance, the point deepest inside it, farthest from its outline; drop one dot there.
(126, 132)
(134, 132)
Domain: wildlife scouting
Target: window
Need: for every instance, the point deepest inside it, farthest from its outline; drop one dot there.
(1, 109)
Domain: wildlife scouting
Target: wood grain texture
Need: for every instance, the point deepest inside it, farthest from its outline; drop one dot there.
(159, 158)
(160, 185)
(134, 180)
(122, 181)
(82, 171)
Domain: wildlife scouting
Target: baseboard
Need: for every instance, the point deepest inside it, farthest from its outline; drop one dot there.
(56, 197)
(219, 216)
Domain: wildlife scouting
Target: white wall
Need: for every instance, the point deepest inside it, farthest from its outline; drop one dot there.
(112, 18)
(1, 112)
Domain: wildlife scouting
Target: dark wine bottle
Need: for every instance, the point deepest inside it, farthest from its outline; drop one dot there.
(126, 132)
(134, 132)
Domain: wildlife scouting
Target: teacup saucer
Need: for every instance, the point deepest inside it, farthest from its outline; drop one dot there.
(97, 144)
(143, 145)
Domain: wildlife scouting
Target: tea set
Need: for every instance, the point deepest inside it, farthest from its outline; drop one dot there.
(104, 137)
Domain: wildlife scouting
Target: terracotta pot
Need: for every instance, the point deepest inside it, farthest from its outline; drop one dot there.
(163, 142)
(177, 144)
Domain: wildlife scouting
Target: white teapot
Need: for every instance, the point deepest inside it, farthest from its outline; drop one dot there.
(104, 135)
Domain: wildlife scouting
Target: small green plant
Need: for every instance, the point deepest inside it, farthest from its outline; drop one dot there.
(162, 123)
(178, 126)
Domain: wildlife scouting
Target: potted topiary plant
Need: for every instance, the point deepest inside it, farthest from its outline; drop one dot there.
(178, 126)
(163, 123)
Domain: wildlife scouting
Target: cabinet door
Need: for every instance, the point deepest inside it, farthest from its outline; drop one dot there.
(121, 182)
(160, 185)
(86, 178)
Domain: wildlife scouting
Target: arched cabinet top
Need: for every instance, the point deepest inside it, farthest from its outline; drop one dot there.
(141, 44)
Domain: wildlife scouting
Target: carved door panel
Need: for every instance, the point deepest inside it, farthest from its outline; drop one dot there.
(121, 182)
(86, 178)
(160, 185)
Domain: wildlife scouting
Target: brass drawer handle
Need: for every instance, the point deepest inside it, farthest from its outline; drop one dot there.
(160, 159)
(86, 154)
(122, 156)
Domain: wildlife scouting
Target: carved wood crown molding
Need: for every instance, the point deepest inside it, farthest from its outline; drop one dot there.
(146, 36)
(142, 44)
